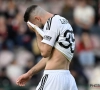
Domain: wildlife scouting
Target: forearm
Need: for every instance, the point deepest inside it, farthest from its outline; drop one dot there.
(45, 48)
(39, 34)
(40, 44)
(38, 67)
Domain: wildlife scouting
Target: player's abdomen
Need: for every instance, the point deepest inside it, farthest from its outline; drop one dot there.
(57, 61)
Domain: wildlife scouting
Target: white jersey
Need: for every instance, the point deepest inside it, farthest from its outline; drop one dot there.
(59, 34)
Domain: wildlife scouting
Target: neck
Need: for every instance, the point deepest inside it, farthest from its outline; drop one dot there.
(47, 16)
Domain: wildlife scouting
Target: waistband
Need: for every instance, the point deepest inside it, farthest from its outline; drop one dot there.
(56, 71)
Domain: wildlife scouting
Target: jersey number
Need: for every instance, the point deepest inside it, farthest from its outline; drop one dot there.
(70, 39)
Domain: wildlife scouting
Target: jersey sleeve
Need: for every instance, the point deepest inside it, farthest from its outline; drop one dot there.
(50, 32)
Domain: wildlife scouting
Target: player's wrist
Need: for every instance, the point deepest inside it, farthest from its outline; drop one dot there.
(29, 73)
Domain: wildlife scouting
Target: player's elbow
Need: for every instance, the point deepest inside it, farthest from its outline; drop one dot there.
(45, 54)
(46, 50)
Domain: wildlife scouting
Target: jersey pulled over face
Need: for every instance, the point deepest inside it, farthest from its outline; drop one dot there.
(59, 34)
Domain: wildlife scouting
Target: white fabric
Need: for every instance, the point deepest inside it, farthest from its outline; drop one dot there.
(59, 26)
(36, 28)
(57, 80)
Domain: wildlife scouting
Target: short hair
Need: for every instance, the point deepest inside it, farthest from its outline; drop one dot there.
(28, 12)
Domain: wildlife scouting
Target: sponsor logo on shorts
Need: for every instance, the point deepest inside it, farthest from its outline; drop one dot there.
(47, 37)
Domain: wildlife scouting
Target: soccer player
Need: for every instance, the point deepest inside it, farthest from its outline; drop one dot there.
(57, 48)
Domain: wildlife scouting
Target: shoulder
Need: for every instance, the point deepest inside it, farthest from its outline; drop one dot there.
(53, 22)
(58, 21)
(90, 9)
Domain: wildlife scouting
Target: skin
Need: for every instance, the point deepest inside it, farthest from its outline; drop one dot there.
(52, 58)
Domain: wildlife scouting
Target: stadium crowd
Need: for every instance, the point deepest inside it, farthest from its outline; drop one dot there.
(18, 47)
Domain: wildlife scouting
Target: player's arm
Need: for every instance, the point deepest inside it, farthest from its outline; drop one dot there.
(45, 40)
(23, 79)
(44, 48)
(38, 67)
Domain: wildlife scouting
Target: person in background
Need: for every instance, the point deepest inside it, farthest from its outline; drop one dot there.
(3, 32)
(67, 10)
(4, 79)
(84, 16)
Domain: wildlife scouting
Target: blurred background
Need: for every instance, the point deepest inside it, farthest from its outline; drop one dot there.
(18, 47)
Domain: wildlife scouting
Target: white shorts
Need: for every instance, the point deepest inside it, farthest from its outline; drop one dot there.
(57, 80)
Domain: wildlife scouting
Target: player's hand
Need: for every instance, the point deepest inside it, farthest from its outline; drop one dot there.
(23, 79)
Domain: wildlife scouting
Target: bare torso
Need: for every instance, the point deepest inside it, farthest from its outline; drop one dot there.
(57, 61)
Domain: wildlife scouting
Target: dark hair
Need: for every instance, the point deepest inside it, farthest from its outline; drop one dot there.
(28, 12)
